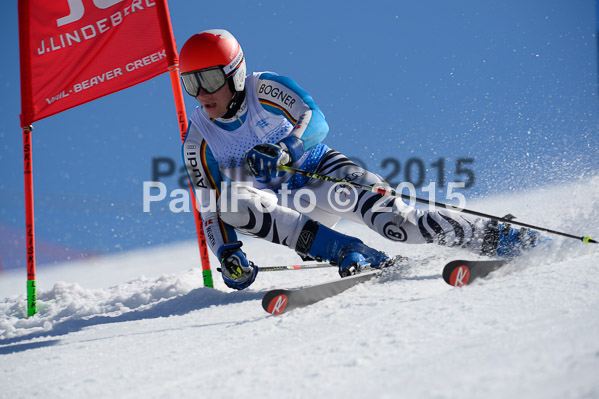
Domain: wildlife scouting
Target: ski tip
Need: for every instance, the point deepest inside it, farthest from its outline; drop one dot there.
(456, 273)
(276, 303)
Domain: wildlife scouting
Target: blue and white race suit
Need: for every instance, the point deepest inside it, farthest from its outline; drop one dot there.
(230, 200)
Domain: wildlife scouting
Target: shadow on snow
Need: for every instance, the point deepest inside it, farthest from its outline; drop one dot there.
(200, 298)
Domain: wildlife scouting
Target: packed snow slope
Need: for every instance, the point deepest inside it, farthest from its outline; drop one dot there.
(141, 325)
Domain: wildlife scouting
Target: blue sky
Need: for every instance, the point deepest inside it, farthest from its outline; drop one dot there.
(508, 91)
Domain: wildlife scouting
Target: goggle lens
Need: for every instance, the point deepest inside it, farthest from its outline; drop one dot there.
(210, 79)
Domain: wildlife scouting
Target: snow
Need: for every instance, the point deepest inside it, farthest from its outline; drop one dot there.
(141, 325)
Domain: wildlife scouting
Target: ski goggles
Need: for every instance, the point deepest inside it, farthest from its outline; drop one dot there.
(209, 79)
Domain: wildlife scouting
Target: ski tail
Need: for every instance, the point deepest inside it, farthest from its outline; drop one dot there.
(462, 272)
(279, 301)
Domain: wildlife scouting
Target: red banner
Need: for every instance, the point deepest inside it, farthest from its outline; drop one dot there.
(75, 51)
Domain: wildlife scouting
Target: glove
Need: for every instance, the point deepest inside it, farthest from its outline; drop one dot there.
(263, 160)
(238, 273)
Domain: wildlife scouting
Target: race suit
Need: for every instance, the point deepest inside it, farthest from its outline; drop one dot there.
(276, 209)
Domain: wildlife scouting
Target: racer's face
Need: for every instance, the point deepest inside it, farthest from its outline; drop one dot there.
(217, 103)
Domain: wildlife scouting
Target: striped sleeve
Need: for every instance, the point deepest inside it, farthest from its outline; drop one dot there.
(205, 178)
(283, 96)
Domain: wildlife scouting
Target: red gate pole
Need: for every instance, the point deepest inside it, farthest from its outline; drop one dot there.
(177, 91)
(29, 222)
(171, 50)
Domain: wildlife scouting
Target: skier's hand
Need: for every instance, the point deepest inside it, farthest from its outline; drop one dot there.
(238, 273)
(263, 160)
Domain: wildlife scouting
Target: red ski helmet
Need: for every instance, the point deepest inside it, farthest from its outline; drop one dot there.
(215, 50)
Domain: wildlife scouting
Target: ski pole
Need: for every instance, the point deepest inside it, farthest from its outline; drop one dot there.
(290, 267)
(393, 193)
(294, 267)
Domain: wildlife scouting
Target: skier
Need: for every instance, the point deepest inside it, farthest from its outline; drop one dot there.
(246, 127)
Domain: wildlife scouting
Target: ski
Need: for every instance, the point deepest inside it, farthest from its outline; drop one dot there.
(456, 273)
(280, 301)
(462, 272)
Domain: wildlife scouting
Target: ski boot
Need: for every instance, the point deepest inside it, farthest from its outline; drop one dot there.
(506, 242)
(319, 242)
